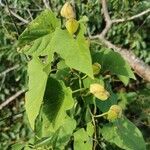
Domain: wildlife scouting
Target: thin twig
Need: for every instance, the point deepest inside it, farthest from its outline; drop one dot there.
(14, 14)
(28, 10)
(101, 115)
(10, 99)
(19, 17)
(109, 22)
(131, 18)
(7, 5)
(74, 5)
(13, 116)
(78, 90)
(46, 3)
(94, 124)
(8, 70)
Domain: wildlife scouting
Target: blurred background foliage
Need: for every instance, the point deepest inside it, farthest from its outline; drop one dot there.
(133, 35)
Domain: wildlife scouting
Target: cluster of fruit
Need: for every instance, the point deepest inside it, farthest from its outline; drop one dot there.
(68, 12)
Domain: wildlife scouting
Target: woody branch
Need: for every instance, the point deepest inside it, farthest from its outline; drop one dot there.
(142, 69)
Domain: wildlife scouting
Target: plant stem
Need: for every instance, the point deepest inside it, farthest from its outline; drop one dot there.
(95, 133)
(78, 90)
(101, 115)
(80, 82)
(84, 77)
(95, 108)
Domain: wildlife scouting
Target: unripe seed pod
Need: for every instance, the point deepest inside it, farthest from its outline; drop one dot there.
(67, 11)
(114, 112)
(96, 68)
(72, 26)
(99, 91)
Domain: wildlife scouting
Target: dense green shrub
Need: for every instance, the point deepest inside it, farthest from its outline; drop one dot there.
(132, 35)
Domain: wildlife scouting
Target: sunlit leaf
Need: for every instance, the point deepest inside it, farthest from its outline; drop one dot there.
(75, 52)
(37, 82)
(112, 61)
(124, 134)
(82, 140)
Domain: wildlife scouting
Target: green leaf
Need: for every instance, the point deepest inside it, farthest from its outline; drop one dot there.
(59, 138)
(27, 148)
(82, 140)
(113, 62)
(83, 19)
(63, 72)
(88, 81)
(18, 146)
(42, 142)
(90, 129)
(61, 65)
(75, 52)
(38, 75)
(57, 99)
(63, 134)
(44, 24)
(124, 79)
(40, 46)
(38, 125)
(124, 134)
(42, 37)
(38, 34)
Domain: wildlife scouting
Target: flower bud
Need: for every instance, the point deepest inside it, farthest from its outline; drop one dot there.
(67, 11)
(72, 25)
(114, 112)
(96, 68)
(99, 91)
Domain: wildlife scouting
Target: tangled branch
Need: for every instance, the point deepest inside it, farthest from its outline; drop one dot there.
(137, 64)
(13, 13)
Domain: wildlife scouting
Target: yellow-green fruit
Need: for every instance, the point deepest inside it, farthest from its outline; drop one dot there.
(96, 68)
(99, 91)
(72, 26)
(114, 112)
(67, 11)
